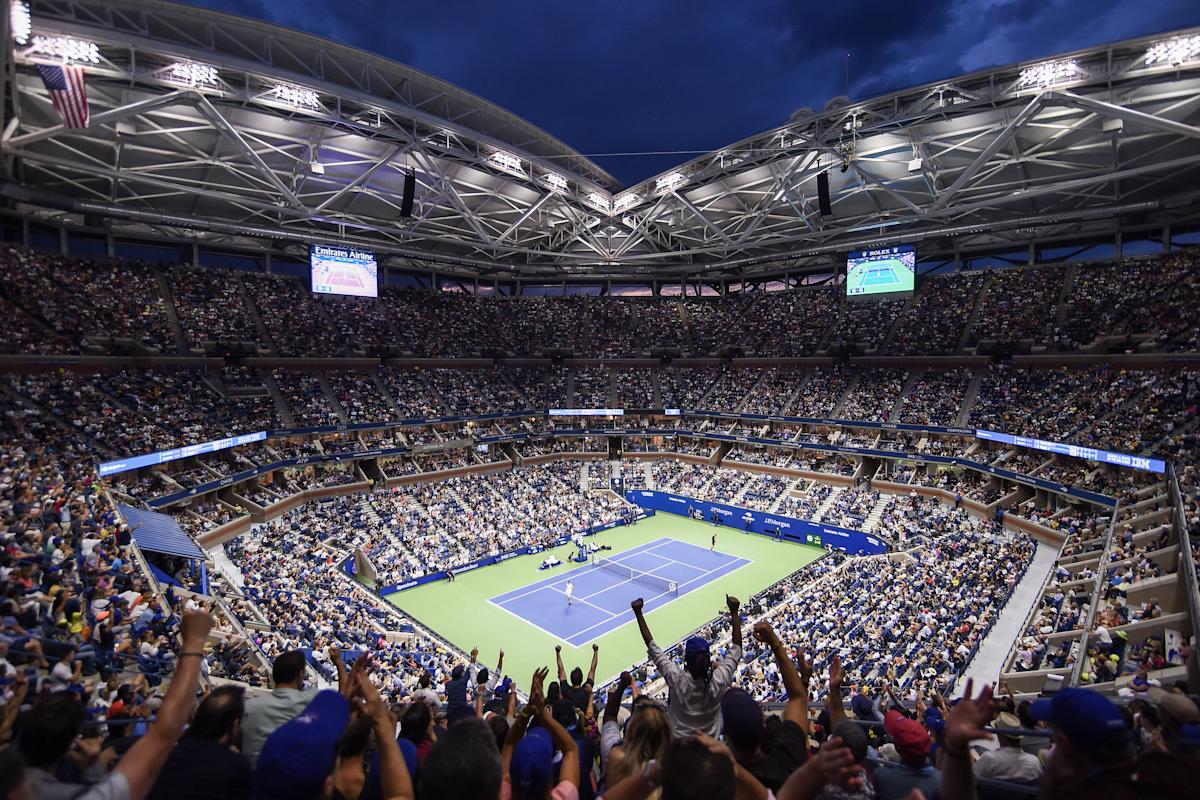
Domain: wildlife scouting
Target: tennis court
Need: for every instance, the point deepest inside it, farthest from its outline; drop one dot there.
(883, 274)
(659, 571)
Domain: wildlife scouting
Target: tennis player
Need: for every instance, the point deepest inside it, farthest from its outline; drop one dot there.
(570, 590)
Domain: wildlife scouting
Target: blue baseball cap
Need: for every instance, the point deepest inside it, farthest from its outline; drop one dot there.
(695, 645)
(1084, 716)
(299, 755)
(533, 762)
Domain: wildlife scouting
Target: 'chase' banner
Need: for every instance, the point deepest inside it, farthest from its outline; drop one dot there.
(745, 519)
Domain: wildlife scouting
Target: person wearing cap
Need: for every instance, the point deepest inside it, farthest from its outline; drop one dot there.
(912, 743)
(744, 725)
(697, 688)
(1093, 753)
(299, 755)
(527, 759)
(1009, 762)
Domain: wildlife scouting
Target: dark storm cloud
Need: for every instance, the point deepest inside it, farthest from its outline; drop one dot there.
(664, 76)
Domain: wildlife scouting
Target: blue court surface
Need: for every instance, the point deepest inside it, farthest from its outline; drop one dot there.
(878, 276)
(602, 597)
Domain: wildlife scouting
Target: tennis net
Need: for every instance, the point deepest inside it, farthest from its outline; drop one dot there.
(632, 574)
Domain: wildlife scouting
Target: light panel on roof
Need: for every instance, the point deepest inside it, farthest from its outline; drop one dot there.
(506, 162)
(66, 48)
(296, 96)
(1048, 73)
(555, 182)
(1174, 51)
(627, 200)
(669, 181)
(598, 202)
(192, 73)
(20, 21)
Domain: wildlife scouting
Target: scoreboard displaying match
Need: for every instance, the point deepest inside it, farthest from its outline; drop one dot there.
(343, 270)
(885, 270)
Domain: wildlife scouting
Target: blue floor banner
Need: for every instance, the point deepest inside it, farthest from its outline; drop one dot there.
(749, 520)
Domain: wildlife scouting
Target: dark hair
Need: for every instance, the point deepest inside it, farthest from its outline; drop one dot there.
(218, 713)
(464, 764)
(51, 728)
(288, 667)
(355, 738)
(499, 725)
(481, 677)
(691, 772)
(699, 666)
(414, 723)
(12, 771)
(577, 677)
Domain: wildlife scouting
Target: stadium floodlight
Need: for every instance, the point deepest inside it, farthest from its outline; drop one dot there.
(316, 168)
(192, 73)
(598, 202)
(20, 21)
(1173, 51)
(914, 165)
(66, 48)
(627, 200)
(556, 182)
(506, 162)
(669, 181)
(296, 96)
(1048, 73)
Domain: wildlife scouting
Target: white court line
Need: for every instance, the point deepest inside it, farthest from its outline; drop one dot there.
(678, 586)
(531, 622)
(585, 569)
(582, 600)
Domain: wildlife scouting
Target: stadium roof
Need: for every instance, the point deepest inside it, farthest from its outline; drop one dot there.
(235, 131)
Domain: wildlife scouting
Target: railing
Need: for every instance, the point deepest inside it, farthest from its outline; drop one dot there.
(1191, 585)
(1097, 587)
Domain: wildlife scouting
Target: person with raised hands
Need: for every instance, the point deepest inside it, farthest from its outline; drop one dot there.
(744, 724)
(527, 758)
(696, 689)
(393, 772)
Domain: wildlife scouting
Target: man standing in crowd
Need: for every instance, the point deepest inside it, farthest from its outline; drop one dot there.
(205, 764)
(696, 689)
(267, 712)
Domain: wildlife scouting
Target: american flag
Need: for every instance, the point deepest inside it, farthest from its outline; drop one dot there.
(67, 91)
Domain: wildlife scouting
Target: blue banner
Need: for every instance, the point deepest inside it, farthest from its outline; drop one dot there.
(1076, 451)
(487, 561)
(163, 456)
(745, 519)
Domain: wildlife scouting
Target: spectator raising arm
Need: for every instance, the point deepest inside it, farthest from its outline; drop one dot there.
(964, 724)
(734, 604)
(397, 783)
(141, 764)
(636, 605)
(796, 683)
(837, 711)
(591, 678)
(562, 672)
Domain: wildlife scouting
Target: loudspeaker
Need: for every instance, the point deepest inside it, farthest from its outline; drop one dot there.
(823, 194)
(410, 189)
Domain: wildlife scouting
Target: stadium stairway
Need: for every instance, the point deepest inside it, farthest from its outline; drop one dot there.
(910, 381)
(332, 397)
(851, 386)
(1064, 297)
(965, 337)
(885, 343)
(993, 652)
(164, 293)
(382, 389)
(876, 512)
(656, 397)
(248, 303)
(281, 406)
(827, 504)
(570, 399)
(970, 396)
(795, 489)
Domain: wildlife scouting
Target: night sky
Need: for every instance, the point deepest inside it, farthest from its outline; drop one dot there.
(659, 75)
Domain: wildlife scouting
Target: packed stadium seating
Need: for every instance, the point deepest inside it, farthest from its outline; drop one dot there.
(89, 611)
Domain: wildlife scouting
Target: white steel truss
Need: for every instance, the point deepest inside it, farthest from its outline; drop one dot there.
(325, 156)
